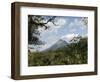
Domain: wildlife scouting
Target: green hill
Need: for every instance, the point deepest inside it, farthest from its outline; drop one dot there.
(73, 53)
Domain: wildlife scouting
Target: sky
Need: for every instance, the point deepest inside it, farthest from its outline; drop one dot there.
(67, 28)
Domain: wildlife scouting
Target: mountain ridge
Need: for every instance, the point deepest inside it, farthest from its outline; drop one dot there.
(59, 44)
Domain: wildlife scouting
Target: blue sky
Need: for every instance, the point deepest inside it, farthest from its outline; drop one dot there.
(67, 27)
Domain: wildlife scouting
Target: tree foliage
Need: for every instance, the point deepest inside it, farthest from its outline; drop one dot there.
(74, 53)
(85, 21)
(35, 22)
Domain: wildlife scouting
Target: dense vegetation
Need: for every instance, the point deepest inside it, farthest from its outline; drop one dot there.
(35, 22)
(73, 53)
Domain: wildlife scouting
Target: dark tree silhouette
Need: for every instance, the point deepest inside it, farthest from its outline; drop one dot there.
(85, 21)
(35, 22)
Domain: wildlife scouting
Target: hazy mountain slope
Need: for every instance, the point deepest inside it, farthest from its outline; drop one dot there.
(59, 44)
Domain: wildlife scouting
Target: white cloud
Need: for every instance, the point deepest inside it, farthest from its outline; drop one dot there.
(71, 24)
(59, 23)
(69, 37)
(44, 47)
(54, 28)
(73, 30)
(49, 41)
(77, 23)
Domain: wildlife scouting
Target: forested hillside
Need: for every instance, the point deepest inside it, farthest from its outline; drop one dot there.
(73, 53)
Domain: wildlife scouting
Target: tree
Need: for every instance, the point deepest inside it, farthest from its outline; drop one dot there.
(35, 22)
(85, 21)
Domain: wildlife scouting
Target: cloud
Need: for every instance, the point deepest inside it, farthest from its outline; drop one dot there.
(44, 47)
(49, 40)
(71, 24)
(69, 37)
(76, 23)
(73, 30)
(59, 21)
(49, 44)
